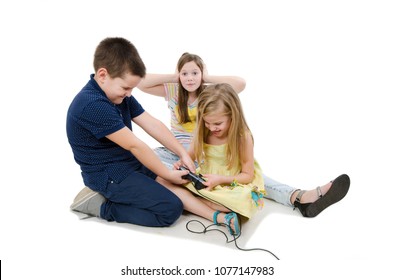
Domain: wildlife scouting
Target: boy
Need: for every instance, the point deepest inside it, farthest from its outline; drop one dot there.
(122, 173)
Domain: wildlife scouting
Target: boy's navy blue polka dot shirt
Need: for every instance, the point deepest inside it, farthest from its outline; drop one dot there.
(92, 116)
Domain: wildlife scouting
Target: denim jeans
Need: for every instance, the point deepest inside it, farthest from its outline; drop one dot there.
(166, 156)
(140, 200)
(275, 190)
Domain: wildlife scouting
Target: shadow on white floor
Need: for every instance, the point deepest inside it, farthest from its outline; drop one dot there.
(190, 226)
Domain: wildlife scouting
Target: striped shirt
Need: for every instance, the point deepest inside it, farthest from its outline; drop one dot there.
(182, 132)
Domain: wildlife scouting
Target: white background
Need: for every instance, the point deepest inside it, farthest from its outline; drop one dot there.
(319, 81)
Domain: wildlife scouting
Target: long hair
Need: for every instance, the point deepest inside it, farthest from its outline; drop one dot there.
(183, 93)
(221, 98)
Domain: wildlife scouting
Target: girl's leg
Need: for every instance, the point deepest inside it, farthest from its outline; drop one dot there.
(166, 156)
(194, 204)
(311, 196)
(286, 194)
(278, 192)
(213, 205)
(311, 202)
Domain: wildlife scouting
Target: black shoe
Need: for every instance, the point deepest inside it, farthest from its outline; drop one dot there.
(337, 191)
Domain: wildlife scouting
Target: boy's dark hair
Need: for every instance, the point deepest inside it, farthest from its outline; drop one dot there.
(118, 56)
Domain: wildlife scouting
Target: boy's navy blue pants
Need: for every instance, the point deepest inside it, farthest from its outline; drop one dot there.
(140, 200)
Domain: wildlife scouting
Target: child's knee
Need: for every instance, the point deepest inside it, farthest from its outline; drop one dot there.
(172, 212)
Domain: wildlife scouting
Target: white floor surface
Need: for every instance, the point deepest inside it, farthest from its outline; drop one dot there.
(318, 100)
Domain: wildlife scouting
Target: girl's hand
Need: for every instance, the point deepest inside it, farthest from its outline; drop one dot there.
(212, 180)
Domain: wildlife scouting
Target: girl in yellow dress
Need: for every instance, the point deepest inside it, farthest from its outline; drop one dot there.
(223, 148)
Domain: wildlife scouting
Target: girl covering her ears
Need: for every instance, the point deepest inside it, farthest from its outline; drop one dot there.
(223, 148)
(181, 90)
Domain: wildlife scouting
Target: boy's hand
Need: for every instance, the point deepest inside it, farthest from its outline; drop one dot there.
(187, 162)
(177, 165)
(175, 176)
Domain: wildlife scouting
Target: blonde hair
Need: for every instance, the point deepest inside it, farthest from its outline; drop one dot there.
(221, 98)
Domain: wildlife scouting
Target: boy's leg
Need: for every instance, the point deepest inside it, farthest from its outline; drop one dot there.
(140, 200)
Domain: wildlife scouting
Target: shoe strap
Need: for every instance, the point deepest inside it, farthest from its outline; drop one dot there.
(319, 191)
(215, 217)
(299, 196)
(228, 218)
(297, 199)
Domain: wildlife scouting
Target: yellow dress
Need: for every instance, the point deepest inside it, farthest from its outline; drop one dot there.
(244, 199)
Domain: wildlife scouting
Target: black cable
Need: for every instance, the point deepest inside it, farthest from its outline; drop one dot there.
(206, 229)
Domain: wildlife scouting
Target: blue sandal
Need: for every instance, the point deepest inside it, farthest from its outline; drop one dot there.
(228, 218)
(215, 217)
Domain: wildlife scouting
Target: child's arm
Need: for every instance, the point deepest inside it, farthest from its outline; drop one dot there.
(237, 83)
(154, 83)
(191, 154)
(126, 139)
(158, 130)
(246, 175)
